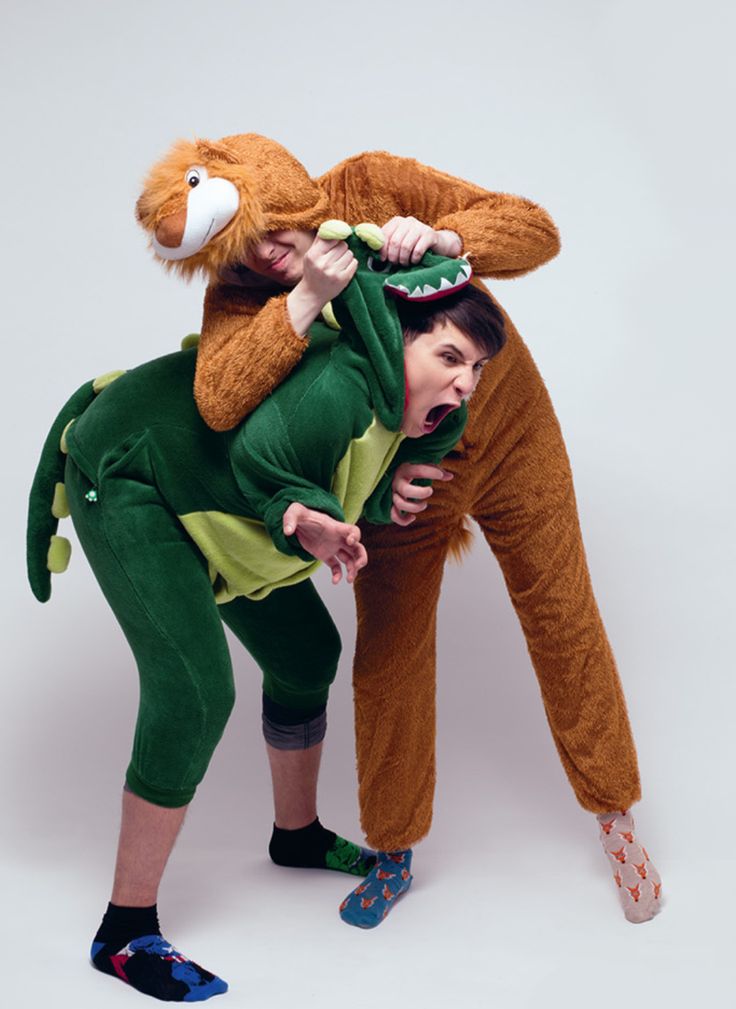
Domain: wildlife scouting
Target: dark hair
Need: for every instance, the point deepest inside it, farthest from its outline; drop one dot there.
(471, 310)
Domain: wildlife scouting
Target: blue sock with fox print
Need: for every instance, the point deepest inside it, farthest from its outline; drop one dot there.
(368, 904)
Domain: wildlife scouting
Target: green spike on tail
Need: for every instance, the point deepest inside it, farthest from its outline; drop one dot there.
(60, 504)
(102, 381)
(45, 551)
(57, 558)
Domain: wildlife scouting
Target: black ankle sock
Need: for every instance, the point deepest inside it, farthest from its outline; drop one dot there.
(121, 924)
(315, 847)
(304, 848)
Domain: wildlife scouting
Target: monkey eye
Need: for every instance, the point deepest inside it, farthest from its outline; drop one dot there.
(194, 176)
(376, 265)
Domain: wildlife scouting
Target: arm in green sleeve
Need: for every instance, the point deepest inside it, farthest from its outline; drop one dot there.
(289, 449)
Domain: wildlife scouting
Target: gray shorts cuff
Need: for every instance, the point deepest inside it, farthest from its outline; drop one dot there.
(295, 737)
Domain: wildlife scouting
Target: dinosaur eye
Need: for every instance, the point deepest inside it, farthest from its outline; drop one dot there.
(376, 265)
(194, 176)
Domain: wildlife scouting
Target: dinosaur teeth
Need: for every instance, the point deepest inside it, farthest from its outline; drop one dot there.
(428, 291)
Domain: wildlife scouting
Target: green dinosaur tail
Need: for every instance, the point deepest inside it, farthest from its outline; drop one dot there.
(46, 552)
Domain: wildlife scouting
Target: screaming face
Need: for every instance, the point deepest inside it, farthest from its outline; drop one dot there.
(442, 369)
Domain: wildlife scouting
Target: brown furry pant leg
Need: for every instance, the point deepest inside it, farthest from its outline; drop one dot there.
(394, 680)
(529, 518)
(513, 476)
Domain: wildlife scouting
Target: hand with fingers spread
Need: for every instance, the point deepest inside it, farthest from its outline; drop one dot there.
(328, 268)
(408, 498)
(407, 239)
(336, 543)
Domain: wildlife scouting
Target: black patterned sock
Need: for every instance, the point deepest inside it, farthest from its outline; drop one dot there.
(129, 945)
(315, 847)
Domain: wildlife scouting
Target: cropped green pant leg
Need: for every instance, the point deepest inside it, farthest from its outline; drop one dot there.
(157, 584)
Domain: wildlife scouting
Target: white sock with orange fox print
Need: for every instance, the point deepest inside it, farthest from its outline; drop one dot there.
(637, 880)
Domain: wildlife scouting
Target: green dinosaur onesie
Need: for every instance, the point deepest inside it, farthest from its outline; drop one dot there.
(164, 508)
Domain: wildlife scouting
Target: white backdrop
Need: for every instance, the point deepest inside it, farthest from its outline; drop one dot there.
(614, 116)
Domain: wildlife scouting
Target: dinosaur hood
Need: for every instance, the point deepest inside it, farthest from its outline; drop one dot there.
(367, 314)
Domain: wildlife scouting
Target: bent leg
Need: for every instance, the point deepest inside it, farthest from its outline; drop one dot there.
(293, 639)
(157, 586)
(527, 512)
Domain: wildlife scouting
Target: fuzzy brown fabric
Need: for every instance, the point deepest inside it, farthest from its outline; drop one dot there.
(513, 477)
(274, 188)
(233, 384)
(287, 195)
(511, 474)
(161, 207)
(504, 235)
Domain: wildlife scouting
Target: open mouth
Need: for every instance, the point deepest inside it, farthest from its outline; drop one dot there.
(436, 415)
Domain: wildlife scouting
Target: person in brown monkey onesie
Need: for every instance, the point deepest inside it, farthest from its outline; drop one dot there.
(244, 211)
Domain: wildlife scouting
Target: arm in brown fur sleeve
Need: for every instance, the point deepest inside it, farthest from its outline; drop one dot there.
(504, 235)
(247, 347)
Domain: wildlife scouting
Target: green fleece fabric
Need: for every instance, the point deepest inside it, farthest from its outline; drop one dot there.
(164, 506)
(326, 438)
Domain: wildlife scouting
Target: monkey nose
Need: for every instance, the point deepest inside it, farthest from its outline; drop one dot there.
(170, 230)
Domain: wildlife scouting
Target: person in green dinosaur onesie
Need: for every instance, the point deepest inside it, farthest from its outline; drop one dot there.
(175, 517)
(242, 211)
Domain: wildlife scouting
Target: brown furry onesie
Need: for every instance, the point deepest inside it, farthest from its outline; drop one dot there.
(511, 469)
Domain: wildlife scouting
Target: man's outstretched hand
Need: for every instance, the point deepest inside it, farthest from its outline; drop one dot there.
(335, 543)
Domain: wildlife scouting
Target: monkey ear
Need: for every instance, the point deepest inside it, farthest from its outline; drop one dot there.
(212, 151)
